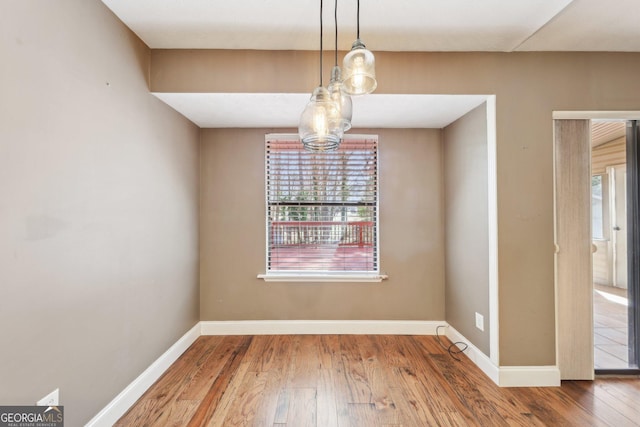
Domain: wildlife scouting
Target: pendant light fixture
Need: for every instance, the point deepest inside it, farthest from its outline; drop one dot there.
(359, 67)
(320, 124)
(335, 88)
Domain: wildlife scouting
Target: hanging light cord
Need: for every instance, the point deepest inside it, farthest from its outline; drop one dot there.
(358, 22)
(335, 20)
(320, 42)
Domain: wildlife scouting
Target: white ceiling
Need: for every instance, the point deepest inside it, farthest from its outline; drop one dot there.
(280, 110)
(385, 25)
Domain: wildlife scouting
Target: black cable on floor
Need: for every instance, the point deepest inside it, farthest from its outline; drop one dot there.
(449, 348)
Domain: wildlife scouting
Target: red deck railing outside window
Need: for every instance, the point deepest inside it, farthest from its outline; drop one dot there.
(306, 233)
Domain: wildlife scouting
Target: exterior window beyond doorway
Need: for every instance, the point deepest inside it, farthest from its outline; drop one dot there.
(597, 211)
(322, 208)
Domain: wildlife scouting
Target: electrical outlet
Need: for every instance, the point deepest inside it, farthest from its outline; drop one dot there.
(479, 321)
(50, 399)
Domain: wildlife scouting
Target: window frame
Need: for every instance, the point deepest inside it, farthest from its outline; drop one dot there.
(323, 275)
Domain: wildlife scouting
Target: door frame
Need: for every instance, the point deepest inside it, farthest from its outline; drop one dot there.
(633, 237)
(573, 260)
(578, 353)
(613, 215)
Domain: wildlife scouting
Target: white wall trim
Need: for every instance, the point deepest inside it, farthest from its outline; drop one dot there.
(586, 115)
(507, 376)
(314, 278)
(302, 327)
(492, 195)
(123, 401)
(529, 376)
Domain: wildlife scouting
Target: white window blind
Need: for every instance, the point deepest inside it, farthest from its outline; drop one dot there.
(322, 208)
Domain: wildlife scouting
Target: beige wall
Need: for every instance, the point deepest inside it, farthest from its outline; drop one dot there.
(233, 235)
(98, 208)
(467, 225)
(528, 88)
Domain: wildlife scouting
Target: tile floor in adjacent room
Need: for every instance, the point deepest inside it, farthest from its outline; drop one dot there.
(610, 315)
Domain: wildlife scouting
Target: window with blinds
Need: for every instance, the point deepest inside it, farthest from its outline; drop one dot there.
(322, 208)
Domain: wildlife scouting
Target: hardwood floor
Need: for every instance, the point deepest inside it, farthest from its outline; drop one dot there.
(361, 380)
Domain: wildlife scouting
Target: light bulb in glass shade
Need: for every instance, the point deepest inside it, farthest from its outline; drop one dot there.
(358, 78)
(319, 126)
(359, 68)
(342, 100)
(320, 122)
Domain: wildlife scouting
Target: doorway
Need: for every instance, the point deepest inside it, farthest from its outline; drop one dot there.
(597, 240)
(609, 242)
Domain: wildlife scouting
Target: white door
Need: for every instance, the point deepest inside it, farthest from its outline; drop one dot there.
(618, 200)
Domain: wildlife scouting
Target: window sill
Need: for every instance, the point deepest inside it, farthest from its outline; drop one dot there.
(319, 277)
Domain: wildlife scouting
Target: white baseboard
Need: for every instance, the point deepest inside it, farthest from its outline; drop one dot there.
(529, 376)
(508, 376)
(320, 327)
(123, 401)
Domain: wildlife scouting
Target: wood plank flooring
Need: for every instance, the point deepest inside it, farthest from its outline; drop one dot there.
(362, 380)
